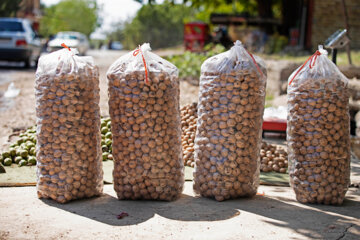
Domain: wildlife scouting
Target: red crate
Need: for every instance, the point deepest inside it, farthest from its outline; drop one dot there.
(195, 36)
(274, 125)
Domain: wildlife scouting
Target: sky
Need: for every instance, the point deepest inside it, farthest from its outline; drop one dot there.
(112, 12)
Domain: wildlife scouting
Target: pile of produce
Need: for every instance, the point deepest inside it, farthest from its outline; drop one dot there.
(189, 63)
(23, 153)
(273, 158)
(106, 139)
(188, 127)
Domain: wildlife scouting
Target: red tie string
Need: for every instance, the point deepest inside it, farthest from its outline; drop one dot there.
(135, 53)
(257, 66)
(64, 45)
(312, 60)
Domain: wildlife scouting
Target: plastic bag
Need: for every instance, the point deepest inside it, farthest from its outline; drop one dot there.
(69, 164)
(145, 121)
(228, 137)
(318, 131)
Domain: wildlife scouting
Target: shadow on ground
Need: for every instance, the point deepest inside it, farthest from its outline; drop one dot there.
(312, 221)
(186, 208)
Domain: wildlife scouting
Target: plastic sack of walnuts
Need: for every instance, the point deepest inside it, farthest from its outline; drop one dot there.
(145, 121)
(69, 164)
(318, 131)
(228, 137)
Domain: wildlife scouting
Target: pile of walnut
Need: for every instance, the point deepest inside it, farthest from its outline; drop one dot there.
(318, 139)
(145, 122)
(69, 164)
(188, 127)
(273, 158)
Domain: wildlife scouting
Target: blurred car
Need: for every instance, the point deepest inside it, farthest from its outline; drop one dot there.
(71, 39)
(18, 41)
(116, 45)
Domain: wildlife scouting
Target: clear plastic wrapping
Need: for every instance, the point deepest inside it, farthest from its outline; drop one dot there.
(69, 164)
(229, 127)
(145, 122)
(318, 131)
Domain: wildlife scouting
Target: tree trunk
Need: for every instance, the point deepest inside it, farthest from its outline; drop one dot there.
(265, 11)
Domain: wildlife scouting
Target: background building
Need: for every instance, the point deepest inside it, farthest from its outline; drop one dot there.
(327, 16)
(30, 9)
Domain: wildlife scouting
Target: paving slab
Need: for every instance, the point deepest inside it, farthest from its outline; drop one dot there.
(274, 215)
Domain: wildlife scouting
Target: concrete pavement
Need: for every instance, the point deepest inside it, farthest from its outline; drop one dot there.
(276, 215)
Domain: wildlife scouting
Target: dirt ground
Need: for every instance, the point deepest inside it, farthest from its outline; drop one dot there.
(275, 215)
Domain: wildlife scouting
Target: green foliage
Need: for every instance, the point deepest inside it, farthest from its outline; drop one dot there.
(117, 33)
(189, 64)
(275, 44)
(159, 24)
(8, 8)
(276, 8)
(206, 8)
(70, 15)
(142, 1)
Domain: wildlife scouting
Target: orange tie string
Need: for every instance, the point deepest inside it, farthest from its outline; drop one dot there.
(312, 60)
(135, 53)
(64, 45)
